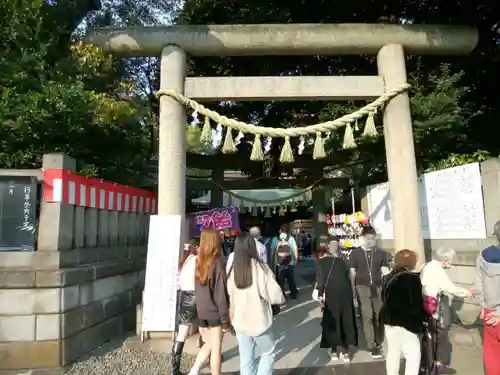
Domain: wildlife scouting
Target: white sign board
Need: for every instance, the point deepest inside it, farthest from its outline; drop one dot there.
(451, 205)
(160, 289)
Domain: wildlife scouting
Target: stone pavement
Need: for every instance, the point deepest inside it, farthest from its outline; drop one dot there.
(297, 329)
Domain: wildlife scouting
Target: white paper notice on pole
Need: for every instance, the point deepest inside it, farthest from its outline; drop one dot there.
(160, 288)
(451, 204)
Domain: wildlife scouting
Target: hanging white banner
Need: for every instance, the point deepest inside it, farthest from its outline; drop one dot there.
(160, 289)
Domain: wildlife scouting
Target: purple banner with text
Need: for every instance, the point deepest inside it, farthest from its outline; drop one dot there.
(225, 219)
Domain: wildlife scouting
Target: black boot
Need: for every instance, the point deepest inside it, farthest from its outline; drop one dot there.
(200, 342)
(176, 357)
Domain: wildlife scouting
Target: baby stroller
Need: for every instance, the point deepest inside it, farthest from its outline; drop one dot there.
(428, 350)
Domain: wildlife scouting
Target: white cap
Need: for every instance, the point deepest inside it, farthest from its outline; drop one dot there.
(255, 232)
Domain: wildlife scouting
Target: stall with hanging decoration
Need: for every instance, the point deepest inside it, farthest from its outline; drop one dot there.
(267, 202)
(347, 227)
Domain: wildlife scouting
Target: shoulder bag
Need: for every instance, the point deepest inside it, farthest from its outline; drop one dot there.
(321, 298)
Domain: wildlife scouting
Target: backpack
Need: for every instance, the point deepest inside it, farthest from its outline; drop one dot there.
(284, 251)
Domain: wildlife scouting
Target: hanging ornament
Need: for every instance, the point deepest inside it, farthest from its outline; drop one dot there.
(370, 128)
(268, 212)
(195, 121)
(281, 211)
(356, 126)
(274, 210)
(286, 156)
(257, 154)
(349, 142)
(238, 138)
(229, 147)
(255, 210)
(319, 147)
(304, 199)
(242, 208)
(293, 206)
(268, 144)
(217, 136)
(206, 133)
(302, 144)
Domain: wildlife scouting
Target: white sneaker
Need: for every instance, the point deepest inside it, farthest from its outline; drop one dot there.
(345, 358)
(334, 357)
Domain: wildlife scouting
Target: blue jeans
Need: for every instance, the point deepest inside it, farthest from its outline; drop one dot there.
(246, 348)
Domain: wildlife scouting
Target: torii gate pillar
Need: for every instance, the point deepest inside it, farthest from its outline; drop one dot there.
(172, 137)
(400, 154)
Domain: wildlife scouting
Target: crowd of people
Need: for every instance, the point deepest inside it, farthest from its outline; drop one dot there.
(396, 302)
(240, 294)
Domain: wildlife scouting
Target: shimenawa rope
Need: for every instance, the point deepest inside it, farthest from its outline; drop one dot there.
(286, 153)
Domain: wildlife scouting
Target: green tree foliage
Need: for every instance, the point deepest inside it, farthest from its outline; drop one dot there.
(67, 99)
(60, 95)
(440, 121)
(453, 102)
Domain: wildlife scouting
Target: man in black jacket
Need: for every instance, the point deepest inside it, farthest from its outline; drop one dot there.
(367, 265)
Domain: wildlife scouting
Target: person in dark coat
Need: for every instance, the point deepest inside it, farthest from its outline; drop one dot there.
(334, 292)
(403, 314)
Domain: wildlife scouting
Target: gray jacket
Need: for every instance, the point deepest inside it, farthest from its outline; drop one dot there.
(487, 281)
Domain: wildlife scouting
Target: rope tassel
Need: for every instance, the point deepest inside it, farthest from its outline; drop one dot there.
(206, 133)
(229, 147)
(257, 154)
(241, 208)
(319, 147)
(268, 212)
(305, 200)
(286, 156)
(370, 128)
(349, 142)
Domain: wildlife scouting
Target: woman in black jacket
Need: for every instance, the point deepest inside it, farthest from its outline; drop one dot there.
(403, 314)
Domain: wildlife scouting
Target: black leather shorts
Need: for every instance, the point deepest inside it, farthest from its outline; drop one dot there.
(188, 315)
(209, 323)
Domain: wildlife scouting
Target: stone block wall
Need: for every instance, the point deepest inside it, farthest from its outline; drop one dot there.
(81, 287)
(462, 273)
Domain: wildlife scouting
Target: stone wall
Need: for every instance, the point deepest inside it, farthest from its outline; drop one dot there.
(462, 273)
(78, 290)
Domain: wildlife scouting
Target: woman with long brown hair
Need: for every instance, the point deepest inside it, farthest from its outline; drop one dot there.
(253, 292)
(212, 301)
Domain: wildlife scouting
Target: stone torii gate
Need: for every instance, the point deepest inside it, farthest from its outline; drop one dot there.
(388, 42)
